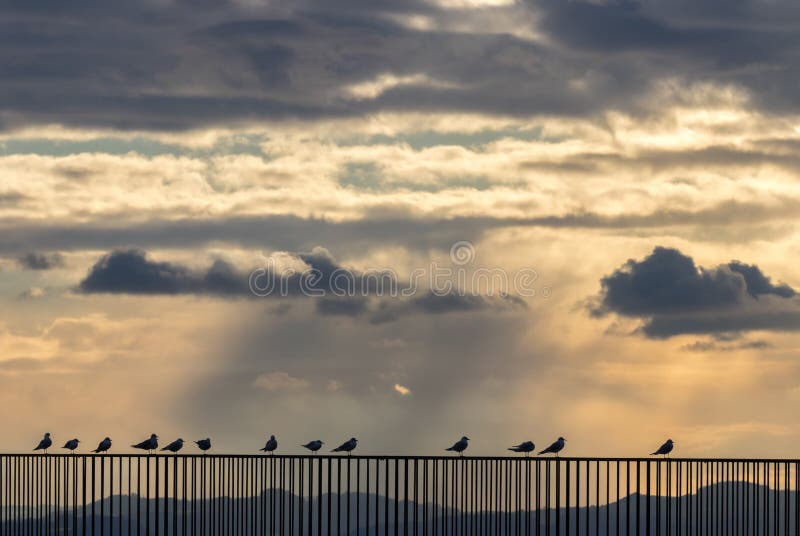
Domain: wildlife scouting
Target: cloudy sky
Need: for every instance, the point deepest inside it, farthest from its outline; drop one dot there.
(637, 161)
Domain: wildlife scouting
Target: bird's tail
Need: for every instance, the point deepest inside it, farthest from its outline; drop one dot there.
(654, 453)
(449, 448)
(96, 450)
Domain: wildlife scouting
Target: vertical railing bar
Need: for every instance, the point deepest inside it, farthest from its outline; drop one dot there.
(386, 498)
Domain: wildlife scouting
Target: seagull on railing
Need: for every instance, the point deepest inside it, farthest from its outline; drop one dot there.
(204, 444)
(555, 448)
(148, 444)
(71, 445)
(527, 447)
(460, 446)
(104, 445)
(45, 443)
(175, 446)
(314, 446)
(272, 444)
(348, 446)
(664, 449)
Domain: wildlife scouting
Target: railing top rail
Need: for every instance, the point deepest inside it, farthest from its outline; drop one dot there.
(651, 459)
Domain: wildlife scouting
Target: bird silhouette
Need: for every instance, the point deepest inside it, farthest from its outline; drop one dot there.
(71, 445)
(45, 443)
(555, 448)
(204, 444)
(103, 446)
(314, 446)
(149, 445)
(175, 446)
(272, 444)
(460, 446)
(664, 449)
(527, 447)
(348, 446)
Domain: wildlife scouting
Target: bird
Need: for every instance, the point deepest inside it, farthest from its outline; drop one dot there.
(45, 443)
(175, 446)
(527, 447)
(664, 449)
(555, 448)
(314, 446)
(72, 444)
(460, 446)
(272, 444)
(103, 446)
(148, 444)
(204, 444)
(348, 446)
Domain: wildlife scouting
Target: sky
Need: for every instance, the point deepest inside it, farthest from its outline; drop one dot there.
(611, 188)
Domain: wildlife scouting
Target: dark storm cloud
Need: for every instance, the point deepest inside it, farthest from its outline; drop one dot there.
(188, 64)
(40, 261)
(674, 296)
(337, 291)
(131, 272)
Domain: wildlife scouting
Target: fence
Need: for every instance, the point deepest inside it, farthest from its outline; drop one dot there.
(307, 495)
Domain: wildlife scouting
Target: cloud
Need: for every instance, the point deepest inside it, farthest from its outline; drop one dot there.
(279, 381)
(672, 295)
(402, 390)
(715, 346)
(237, 63)
(455, 301)
(131, 272)
(41, 261)
(31, 293)
(336, 290)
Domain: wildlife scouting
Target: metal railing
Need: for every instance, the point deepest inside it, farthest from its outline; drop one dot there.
(307, 495)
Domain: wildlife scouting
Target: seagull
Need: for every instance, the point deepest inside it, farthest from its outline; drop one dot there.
(204, 444)
(314, 446)
(45, 443)
(526, 447)
(72, 444)
(104, 445)
(460, 446)
(348, 446)
(175, 446)
(272, 444)
(148, 444)
(664, 449)
(555, 448)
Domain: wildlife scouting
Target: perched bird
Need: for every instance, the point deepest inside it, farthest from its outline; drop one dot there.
(314, 446)
(104, 445)
(460, 446)
(555, 448)
(526, 447)
(148, 444)
(45, 443)
(272, 444)
(175, 446)
(72, 444)
(664, 449)
(348, 446)
(204, 444)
